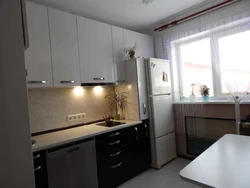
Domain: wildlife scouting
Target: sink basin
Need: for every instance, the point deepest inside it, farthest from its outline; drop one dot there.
(112, 124)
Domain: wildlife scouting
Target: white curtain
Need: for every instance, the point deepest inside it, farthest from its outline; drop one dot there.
(211, 50)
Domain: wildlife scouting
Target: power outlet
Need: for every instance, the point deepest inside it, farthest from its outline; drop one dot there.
(76, 117)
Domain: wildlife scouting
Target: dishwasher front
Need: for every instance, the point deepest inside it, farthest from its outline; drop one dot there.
(73, 166)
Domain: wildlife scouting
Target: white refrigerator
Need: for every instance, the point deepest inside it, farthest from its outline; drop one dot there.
(151, 83)
(162, 127)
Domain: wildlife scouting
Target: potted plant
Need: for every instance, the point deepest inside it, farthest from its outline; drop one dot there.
(130, 51)
(118, 102)
(205, 92)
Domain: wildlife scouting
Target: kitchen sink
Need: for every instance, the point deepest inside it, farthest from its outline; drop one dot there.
(112, 124)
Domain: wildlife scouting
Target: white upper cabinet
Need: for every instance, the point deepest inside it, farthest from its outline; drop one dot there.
(37, 56)
(118, 52)
(64, 48)
(96, 53)
(145, 43)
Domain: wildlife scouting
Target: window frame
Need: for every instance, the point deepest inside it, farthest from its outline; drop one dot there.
(214, 35)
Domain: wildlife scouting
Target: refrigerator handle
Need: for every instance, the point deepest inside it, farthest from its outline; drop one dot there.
(144, 108)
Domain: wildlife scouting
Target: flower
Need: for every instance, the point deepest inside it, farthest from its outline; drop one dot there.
(204, 90)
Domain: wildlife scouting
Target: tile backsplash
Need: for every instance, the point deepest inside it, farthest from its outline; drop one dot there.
(49, 108)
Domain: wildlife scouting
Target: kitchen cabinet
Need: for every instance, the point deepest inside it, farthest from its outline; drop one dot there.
(73, 165)
(119, 55)
(96, 54)
(64, 48)
(140, 148)
(144, 43)
(40, 169)
(122, 154)
(112, 158)
(38, 56)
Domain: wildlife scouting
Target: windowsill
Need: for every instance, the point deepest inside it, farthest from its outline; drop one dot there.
(209, 102)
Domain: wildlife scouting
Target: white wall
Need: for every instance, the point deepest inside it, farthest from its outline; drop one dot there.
(16, 164)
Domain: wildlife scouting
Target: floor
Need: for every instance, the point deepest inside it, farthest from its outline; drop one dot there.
(167, 177)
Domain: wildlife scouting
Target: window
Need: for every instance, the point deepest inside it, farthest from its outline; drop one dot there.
(213, 58)
(196, 65)
(234, 57)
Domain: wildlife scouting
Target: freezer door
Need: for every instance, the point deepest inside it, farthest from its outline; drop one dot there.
(162, 115)
(165, 150)
(159, 76)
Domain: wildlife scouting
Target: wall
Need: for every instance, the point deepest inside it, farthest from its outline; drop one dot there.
(226, 111)
(49, 107)
(16, 162)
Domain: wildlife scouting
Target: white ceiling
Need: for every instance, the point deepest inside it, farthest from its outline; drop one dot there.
(130, 14)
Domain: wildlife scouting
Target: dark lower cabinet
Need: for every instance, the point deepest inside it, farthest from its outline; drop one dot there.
(40, 169)
(122, 155)
(139, 148)
(73, 166)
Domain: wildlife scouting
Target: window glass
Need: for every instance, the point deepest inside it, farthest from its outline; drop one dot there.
(234, 58)
(196, 66)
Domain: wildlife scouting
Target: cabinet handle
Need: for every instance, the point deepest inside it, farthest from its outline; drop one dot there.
(37, 156)
(115, 134)
(144, 108)
(25, 25)
(99, 78)
(116, 166)
(114, 143)
(37, 82)
(115, 154)
(136, 130)
(121, 81)
(37, 168)
(67, 82)
(146, 127)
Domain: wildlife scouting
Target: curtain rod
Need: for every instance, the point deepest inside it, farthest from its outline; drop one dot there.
(200, 13)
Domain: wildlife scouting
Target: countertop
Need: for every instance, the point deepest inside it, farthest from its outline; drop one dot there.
(225, 164)
(58, 138)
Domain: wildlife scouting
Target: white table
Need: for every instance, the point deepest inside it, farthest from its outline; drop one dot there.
(226, 164)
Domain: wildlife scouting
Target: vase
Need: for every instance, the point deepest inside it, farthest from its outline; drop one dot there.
(132, 54)
(205, 98)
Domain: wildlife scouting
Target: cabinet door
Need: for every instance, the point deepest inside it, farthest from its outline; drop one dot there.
(144, 43)
(96, 54)
(64, 48)
(37, 56)
(73, 167)
(140, 148)
(118, 53)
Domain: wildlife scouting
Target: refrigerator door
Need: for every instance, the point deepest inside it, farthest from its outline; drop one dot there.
(162, 115)
(159, 76)
(165, 150)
